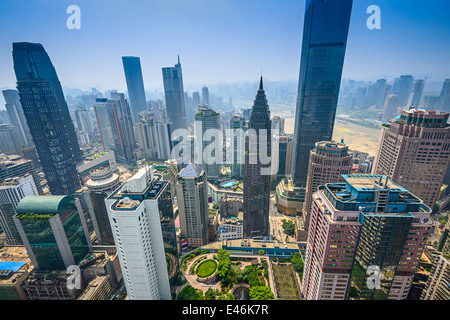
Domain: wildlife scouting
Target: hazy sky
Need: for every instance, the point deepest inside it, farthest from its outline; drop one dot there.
(218, 40)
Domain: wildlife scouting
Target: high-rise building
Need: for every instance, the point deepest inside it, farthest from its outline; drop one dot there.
(416, 94)
(31, 62)
(84, 122)
(282, 156)
(256, 181)
(237, 145)
(174, 93)
(192, 196)
(102, 182)
(9, 139)
(414, 150)
(12, 166)
(403, 86)
(153, 137)
(367, 224)
(135, 85)
(278, 124)
(438, 284)
(17, 117)
(47, 116)
(11, 192)
(391, 106)
(205, 96)
(53, 231)
(207, 127)
(444, 98)
(323, 50)
(328, 161)
(143, 223)
(116, 127)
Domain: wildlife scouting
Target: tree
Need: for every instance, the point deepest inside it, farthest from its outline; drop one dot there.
(261, 293)
(261, 252)
(210, 294)
(288, 227)
(226, 296)
(224, 271)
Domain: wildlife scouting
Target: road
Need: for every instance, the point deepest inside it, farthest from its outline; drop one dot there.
(275, 221)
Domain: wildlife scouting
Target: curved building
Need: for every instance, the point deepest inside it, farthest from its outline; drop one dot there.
(102, 182)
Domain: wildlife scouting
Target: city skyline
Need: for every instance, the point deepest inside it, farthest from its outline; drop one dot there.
(83, 52)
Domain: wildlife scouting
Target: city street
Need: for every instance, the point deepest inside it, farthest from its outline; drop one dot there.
(275, 221)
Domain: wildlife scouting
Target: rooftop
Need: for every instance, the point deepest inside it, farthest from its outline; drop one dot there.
(42, 204)
(191, 170)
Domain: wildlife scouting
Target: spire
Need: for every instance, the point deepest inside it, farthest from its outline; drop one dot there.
(178, 59)
(261, 84)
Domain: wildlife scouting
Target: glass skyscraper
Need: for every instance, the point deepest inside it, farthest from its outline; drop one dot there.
(47, 117)
(174, 93)
(135, 85)
(256, 183)
(323, 50)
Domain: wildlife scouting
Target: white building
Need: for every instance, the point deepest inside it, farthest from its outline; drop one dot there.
(142, 221)
(11, 192)
(230, 229)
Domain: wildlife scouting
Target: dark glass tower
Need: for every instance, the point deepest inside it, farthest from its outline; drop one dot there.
(256, 184)
(174, 93)
(135, 85)
(47, 116)
(323, 50)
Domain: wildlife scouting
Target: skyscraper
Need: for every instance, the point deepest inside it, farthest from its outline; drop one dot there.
(11, 192)
(414, 152)
(205, 96)
(237, 146)
(416, 94)
(17, 117)
(143, 223)
(444, 98)
(135, 85)
(101, 183)
(192, 195)
(365, 224)
(323, 50)
(391, 106)
(31, 62)
(116, 126)
(328, 161)
(47, 116)
(174, 93)
(256, 182)
(207, 119)
(403, 86)
(53, 231)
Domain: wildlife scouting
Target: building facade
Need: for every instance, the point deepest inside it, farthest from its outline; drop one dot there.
(192, 196)
(53, 231)
(327, 163)
(322, 60)
(143, 223)
(174, 93)
(365, 240)
(256, 172)
(207, 126)
(414, 150)
(135, 85)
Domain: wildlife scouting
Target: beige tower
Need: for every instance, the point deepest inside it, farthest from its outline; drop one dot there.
(192, 195)
(328, 161)
(414, 151)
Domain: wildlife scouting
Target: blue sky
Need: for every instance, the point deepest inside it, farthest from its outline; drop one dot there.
(218, 40)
